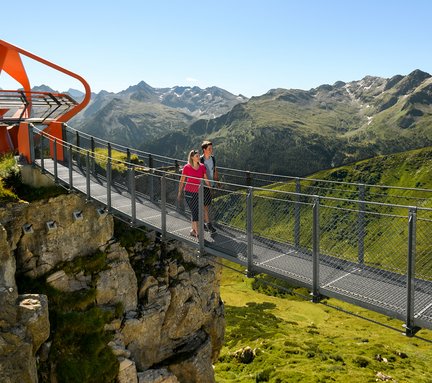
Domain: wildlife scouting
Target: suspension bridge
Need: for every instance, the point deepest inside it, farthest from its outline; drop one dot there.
(365, 249)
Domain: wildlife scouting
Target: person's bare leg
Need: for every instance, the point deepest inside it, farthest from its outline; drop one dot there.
(195, 226)
(206, 214)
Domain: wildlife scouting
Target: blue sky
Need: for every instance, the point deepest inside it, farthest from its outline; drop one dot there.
(243, 46)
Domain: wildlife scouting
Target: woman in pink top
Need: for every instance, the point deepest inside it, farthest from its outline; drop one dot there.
(192, 173)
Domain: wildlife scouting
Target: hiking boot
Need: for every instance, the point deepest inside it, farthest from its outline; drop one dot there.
(209, 227)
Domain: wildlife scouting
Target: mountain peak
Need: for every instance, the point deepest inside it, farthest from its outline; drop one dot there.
(142, 85)
(419, 75)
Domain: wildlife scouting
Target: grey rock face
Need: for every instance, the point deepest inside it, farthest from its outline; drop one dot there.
(173, 321)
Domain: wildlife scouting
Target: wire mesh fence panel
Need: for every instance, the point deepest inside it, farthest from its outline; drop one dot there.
(228, 212)
(386, 242)
(177, 208)
(423, 250)
(274, 218)
(339, 233)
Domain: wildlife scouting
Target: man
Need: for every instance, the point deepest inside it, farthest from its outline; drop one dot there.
(208, 159)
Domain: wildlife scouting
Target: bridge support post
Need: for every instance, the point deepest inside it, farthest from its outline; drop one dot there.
(297, 214)
(361, 225)
(132, 193)
(108, 178)
(201, 217)
(55, 160)
(88, 175)
(70, 168)
(249, 232)
(151, 178)
(248, 178)
(77, 145)
(163, 207)
(92, 147)
(316, 296)
(410, 327)
(42, 149)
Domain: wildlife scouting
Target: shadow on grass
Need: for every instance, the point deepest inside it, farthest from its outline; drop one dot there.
(250, 322)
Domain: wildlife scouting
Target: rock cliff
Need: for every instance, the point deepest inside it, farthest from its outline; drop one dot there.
(126, 310)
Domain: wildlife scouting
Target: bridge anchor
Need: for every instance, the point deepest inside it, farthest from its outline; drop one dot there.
(410, 331)
(316, 297)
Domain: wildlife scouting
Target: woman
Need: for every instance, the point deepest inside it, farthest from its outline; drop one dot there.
(193, 172)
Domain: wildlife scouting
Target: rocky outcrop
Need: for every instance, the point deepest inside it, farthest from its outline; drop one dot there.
(24, 326)
(24, 323)
(171, 321)
(45, 233)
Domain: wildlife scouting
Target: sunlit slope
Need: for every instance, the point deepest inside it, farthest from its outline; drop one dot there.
(282, 216)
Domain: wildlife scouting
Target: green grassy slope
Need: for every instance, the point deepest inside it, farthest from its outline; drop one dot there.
(299, 341)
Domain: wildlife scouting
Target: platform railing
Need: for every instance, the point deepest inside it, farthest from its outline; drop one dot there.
(334, 244)
(409, 196)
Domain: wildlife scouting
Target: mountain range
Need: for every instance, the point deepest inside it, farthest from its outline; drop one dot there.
(142, 113)
(284, 131)
(297, 132)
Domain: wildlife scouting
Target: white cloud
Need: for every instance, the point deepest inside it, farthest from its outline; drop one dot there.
(191, 80)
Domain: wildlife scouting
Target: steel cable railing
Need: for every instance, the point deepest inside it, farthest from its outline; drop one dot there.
(248, 178)
(371, 253)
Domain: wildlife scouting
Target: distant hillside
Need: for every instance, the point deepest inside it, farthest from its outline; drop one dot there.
(411, 169)
(297, 132)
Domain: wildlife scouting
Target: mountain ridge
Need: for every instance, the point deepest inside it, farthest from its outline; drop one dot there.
(324, 127)
(303, 130)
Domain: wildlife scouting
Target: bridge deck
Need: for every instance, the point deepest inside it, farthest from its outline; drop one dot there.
(347, 281)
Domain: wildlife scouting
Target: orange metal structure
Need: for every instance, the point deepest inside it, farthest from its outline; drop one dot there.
(16, 138)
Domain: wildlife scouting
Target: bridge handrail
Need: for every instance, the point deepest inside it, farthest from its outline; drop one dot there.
(127, 164)
(275, 179)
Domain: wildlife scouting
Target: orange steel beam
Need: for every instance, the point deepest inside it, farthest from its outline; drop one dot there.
(10, 62)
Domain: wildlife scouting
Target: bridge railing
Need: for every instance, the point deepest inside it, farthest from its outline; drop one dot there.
(409, 196)
(330, 244)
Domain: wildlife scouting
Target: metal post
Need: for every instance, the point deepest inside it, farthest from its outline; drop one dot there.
(163, 207)
(42, 154)
(249, 232)
(316, 249)
(70, 167)
(77, 144)
(151, 178)
(410, 327)
(55, 161)
(201, 217)
(92, 148)
(361, 224)
(133, 193)
(297, 214)
(248, 179)
(88, 174)
(129, 167)
(108, 178)
(128, 155)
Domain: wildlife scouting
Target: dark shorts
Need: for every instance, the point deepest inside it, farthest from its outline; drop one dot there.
(192, 201)
(207, 196)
